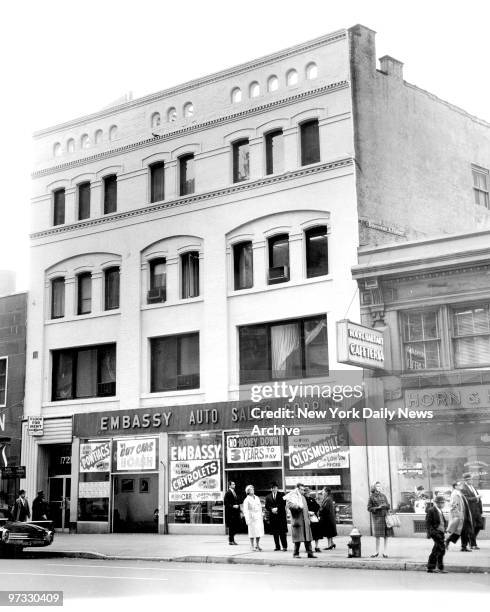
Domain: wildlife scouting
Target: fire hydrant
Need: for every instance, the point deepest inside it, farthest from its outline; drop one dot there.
(355, 543)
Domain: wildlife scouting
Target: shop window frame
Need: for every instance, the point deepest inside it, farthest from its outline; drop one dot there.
(441, 321)
(450, 309)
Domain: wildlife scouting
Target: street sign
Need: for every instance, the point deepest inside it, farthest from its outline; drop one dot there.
(14, 471)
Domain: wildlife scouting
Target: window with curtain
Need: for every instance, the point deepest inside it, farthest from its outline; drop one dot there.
(110, 194)
(310, 142)
(84, 372)
(243, 265)
(283, 350)
(278, 259)
(421, 340)
(83, 201)
(274, 152)
(111, 288)
(157, 182)
(241, 166)
(57, 298)
(186, 173)
(3, 381)
(190, 274)
(58, 207)
(175, 362)
(84, 293)
(471, 335)
(316, 251)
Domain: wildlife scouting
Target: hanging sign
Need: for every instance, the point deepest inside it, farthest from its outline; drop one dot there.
(360, 346)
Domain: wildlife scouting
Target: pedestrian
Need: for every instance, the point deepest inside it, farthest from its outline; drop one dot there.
(456, 515)
(313, 509)
(300, 520)
(474, 501)
(378, 505)
(232, 513)
(278, 524)
(328, 518)
(436, 524)
(252, 511)
(467, 531)
(21, 510)
(39, 508)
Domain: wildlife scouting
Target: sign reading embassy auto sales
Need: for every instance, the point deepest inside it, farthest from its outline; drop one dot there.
(318, 451)
(194, 470)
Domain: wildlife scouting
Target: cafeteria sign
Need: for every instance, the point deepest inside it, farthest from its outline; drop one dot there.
(360, 346)
(317, 451)
(194, 471)
(95, 457)
(137, 454)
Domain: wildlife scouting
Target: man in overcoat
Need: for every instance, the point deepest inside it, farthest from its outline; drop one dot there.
(300, 520)
(21, 510)
(436, 524)
(474, 502)
(276, 509)
(232, 513)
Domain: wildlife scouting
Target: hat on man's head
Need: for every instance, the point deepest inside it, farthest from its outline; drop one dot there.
(440, 498)
(40, 492)
(467, 475)
(274, 484)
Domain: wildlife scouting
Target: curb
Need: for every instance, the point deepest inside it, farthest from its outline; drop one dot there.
(361, 564)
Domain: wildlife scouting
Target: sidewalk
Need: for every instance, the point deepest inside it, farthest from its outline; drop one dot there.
(404, 553)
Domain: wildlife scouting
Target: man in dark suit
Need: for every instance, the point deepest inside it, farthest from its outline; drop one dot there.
(276, 509)
(21, 507)
(232, 513)
(436, 524)
(474, 502)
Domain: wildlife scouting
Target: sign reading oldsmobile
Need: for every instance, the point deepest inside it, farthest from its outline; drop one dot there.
(253, 449)
(95, 457)
(318, 451)
(360, 346)
(194, 470)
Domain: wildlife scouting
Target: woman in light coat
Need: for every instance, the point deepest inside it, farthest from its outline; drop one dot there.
(456, 515)
(252, 511)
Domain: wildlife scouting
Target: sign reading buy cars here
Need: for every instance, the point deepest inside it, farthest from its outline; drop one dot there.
(194, 471)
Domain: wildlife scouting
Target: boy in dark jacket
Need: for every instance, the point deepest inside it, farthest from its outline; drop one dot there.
(436, 524)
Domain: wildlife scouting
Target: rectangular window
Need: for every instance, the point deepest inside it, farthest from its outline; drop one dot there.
(84, 293)
(157, 182)
(158, 281)
(241, 169)
(316, 252)
(110, 194)
(111, 288)
(57, 298)
(274, 152)
(421, 340)
(83, 201)
(186, 172)
(243, 265)
(480, 186)
(59, 207)
(278, 259)
(190, 274)
(84, 372)
(310, 142)
(175, 363)
(471, 335)
(284, 350)
(3, 381)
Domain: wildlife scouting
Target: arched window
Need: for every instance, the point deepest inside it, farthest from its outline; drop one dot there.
(273, 83)
(57, 149)
(188, 110)
(171, 114)
(236, 95)
(70, 145)
(155, 120)
(85, 141)
(113, 132)
(311, 71)
(254, 90)
(292, 77)
(98, 136)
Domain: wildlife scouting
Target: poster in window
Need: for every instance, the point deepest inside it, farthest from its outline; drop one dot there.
(318, 451)
(195, 472)
(136, 454)
(253, 449)
(95, 457)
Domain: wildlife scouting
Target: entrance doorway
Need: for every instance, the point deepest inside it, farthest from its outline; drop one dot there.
(59, 501)
(135, 502)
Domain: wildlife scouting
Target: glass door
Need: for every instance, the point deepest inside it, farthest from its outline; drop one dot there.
(59, 502)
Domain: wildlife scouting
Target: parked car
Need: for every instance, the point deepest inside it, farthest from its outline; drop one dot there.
(16, 535)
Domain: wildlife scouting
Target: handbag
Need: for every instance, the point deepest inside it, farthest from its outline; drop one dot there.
(392, 520)
(314, 518)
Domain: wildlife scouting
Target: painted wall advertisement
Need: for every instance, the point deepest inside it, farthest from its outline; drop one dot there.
(318, 451)
(195, 472)
(95, 457)
(138, 454)
(252, 449)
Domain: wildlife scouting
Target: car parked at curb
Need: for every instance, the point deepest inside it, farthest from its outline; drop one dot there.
(16, 535)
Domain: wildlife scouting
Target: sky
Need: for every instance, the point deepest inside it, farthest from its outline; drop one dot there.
(63, 59)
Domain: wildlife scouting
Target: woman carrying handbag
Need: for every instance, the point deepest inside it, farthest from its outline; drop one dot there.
(378, 506)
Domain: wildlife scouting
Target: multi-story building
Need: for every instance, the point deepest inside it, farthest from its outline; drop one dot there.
(194, 242)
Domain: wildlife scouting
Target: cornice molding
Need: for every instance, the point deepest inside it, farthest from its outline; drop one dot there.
(232, 189)
(212, 78)
(190, 129)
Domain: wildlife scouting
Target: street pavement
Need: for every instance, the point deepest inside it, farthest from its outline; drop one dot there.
(404, 553)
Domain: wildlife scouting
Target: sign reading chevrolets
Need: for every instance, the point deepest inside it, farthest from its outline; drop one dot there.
(360, 346)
